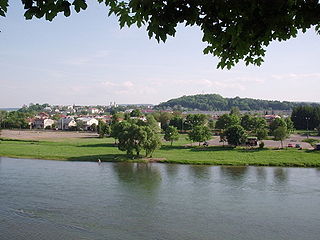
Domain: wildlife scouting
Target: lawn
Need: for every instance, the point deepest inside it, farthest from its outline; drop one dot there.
(92, 149)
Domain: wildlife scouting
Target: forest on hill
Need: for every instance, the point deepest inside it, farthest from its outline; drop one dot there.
(215, 102)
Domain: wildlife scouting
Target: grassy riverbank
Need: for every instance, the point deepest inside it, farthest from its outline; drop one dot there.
(92, 149)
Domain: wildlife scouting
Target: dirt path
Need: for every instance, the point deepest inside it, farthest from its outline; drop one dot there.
(45, 134)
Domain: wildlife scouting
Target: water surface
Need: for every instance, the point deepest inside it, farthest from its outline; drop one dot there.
(41, 199)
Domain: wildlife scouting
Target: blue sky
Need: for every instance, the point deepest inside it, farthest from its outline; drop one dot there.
(86, 59)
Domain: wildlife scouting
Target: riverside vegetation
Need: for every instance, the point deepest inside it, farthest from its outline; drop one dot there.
(92, 149)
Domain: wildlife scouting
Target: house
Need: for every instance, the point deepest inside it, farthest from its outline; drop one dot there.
(88, 122)
(43, 123)
(66, 123)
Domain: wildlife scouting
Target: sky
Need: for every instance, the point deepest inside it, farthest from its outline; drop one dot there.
(87, 59)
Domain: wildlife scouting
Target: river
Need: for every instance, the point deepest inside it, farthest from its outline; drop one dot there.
(42, 199)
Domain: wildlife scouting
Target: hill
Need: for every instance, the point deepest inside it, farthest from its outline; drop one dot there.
(215, 102)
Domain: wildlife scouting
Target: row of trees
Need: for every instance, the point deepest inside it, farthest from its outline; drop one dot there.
(236, 129)
(215, 102)
(13, 119)
(306, 117)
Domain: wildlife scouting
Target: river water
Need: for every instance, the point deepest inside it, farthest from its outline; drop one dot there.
(41, 199)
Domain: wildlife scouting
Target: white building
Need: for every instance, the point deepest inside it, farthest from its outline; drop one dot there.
(88, 122)
(42, 123)
(66, 123)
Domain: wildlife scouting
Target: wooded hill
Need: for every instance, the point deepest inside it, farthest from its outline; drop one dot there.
(215, 102)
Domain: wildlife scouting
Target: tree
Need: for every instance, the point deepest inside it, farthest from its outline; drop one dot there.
(171, 134)
(232, 30)
(280, 134)
(200, 134)
(247, 122)
(177, 122)
(193, 120)
(227, 120)
(103, 129)
(151, 142)
(136, 113)
(289, 125)
(261, 133)
(276, 123)
(235, 111)
(152, 123)
(131, 138)
(235, 135)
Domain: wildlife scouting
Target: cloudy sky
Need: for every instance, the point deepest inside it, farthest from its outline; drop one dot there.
(87, 59)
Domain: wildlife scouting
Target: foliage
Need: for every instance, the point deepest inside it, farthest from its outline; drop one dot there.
(131, 138)
(235, 135)
(14, 119)
(280, 133)
(306, 116)
(171, 134)
(232, 30)
(199, 134)
(227, 120)
(215, 102)
(103, 129)
(261, 145)
(235, 111)
(136, 113)
(276, 123)
(261, 133)
(33, 108)
(92, 149)
(289, 125)
(164, 119)
(193, 120)
(152, 123)
(151, 142)
(311, 141)
(177, 122)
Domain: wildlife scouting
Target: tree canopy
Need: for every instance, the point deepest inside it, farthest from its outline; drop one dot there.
(233, 30)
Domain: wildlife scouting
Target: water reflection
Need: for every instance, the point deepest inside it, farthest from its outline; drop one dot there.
(200, 172)
(280, 175)
(234, 173)
(172, 169)
(140, 176)
(261, 173)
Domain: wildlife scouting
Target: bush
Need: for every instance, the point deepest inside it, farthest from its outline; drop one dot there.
(261, 145)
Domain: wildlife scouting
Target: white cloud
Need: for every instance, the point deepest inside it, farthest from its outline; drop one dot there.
(294, 76)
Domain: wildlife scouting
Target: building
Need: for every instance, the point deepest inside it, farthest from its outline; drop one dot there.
(43, 123)
(88, 122)
(66, 123)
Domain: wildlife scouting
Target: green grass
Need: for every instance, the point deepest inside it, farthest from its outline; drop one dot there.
(94, 148)
(311, 141)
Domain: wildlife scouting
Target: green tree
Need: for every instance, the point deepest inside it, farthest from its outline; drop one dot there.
(200, 134)
(289, 124)
(247, 122)
(276, 123)
(235, 135)
(177, 121)
(152, 123)
(227, 120)
(280, 134)
(103, 129)
(235, 111)
(151, 141)
(232, 30)
(136, 113)
(261, 133)
(193, 120)
(171, 134)
(131, 138)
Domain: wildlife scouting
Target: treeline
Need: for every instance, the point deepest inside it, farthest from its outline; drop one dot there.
(306, 117)
(13, 119)
(215, 102)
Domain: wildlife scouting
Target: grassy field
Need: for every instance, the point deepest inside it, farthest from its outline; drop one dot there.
(92, 149)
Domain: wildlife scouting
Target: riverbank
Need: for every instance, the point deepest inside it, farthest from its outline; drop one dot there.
(92, 149)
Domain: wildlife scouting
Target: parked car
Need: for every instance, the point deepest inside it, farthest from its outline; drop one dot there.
(290, 145)
(298, 146)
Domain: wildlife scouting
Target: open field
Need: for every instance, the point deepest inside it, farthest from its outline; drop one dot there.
(92, 149)
(45, 135)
